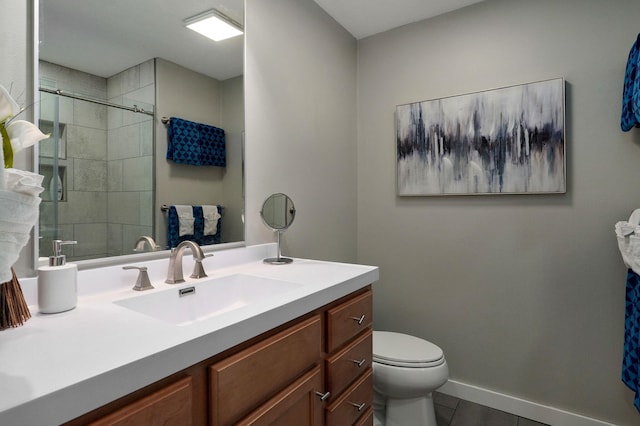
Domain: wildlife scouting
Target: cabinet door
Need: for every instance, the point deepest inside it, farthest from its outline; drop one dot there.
(244, 381)
(298, 404)
(169, 406)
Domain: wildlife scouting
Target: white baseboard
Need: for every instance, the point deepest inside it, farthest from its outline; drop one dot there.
(519, 407)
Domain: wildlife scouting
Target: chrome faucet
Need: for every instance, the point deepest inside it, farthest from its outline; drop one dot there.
(175, 275)
(149, 241)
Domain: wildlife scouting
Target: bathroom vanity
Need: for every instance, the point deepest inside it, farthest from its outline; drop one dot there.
(297, 356)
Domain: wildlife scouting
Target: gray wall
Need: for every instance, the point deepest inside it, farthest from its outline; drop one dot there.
(233, 124)
(300, 126)
(186, 94)
(525, 294)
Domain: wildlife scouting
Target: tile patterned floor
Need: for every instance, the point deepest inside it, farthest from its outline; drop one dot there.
(451, 411)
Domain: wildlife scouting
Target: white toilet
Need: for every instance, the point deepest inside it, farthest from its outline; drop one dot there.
(406, 370)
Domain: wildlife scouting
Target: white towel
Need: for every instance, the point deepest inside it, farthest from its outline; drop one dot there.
(185, 220)
(18, 213)
(211, 217)
(628, 236)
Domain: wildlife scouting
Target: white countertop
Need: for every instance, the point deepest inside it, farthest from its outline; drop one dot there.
(58, 366)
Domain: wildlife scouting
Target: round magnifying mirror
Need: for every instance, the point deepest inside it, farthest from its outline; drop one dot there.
(278, 213)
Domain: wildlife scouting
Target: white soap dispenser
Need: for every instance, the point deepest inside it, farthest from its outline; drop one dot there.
(58, 282)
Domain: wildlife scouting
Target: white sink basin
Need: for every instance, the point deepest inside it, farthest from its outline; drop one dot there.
(207, 298)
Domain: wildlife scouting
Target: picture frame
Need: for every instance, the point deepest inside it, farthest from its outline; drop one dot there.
(509, 140)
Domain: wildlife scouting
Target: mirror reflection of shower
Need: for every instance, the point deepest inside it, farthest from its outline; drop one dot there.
(97, 165)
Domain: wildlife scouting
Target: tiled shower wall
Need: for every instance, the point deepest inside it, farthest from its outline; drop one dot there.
(105, 161)
(130, 158)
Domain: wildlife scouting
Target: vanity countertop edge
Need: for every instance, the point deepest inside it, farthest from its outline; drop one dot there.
(57, 367)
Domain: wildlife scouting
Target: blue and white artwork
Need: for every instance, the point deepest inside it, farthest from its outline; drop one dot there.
(502, 141)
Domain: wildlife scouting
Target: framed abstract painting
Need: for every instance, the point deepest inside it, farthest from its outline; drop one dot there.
(509, 140)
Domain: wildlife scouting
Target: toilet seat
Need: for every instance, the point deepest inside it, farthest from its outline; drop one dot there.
(403, 350)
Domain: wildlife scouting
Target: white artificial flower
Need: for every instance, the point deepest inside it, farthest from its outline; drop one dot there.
(8, 107)
(23, 134)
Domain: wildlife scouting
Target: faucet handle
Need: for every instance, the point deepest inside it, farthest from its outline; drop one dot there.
(143, 282)
(198, 269)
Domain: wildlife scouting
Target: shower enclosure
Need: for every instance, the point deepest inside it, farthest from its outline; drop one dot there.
(98, 162)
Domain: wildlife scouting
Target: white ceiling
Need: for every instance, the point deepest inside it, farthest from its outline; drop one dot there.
(363, 18)
(105, 37)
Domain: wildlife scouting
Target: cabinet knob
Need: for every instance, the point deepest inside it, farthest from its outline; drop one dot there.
(358, 406)
(323, 396)
(359, 320)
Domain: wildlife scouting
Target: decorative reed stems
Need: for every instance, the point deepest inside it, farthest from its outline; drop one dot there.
(13, 308)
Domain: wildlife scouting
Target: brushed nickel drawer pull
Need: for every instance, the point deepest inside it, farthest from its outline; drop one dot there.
(358, 406)
(323, 397)
(359, 363)
(360, 320)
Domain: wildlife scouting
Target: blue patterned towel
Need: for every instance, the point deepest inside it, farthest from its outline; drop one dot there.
(631, 90)
(173, 228)
(195, 144)
(631, 353)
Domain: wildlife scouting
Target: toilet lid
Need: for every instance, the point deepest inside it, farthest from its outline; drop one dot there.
(403, 350)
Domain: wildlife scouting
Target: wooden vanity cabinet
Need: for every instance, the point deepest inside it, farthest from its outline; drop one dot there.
(349, 376)
(312, 371)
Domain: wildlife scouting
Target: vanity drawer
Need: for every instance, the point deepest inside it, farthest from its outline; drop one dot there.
(345, 366)
(366, 419)
(353, 403)
(348, 319)
(243, 381)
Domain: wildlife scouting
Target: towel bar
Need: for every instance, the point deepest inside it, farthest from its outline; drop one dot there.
(165, 208)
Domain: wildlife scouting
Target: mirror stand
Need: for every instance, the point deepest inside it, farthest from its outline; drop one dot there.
(278, 213)
(279, 260)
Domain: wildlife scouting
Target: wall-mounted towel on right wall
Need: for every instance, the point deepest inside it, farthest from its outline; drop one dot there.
(195, 144)
(631, 91)
(628, 236)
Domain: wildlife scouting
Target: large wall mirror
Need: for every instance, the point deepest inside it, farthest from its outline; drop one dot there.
(109, 71)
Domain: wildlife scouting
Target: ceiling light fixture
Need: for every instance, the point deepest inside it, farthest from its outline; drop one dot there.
(214, 25)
